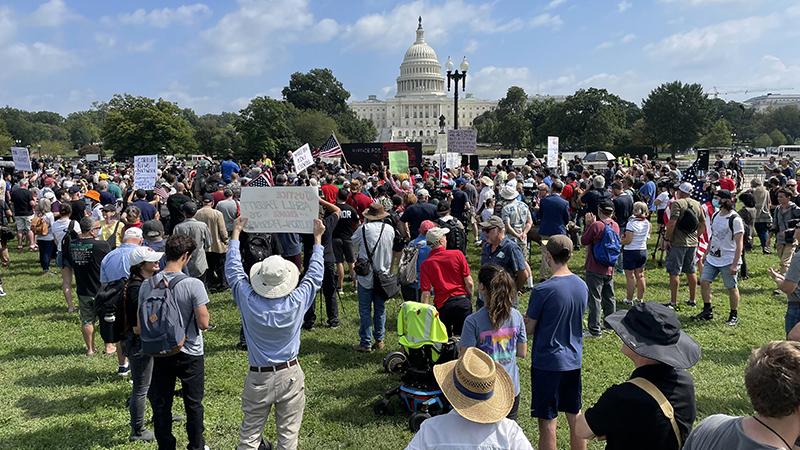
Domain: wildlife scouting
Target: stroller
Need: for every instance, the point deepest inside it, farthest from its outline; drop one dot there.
(425, 343)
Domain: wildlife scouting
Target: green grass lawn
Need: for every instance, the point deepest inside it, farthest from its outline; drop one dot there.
(53, 396)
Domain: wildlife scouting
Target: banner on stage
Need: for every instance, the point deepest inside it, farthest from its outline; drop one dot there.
(22, 159)
(145, 172)
(284, 209)
(302, 158)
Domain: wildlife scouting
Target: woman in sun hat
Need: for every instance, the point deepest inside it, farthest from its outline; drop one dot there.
(655, 408)
(482, 394)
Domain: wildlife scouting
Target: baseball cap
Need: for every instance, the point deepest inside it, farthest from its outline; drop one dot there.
(110, 207)
(724, 194)
(686, 187)
(153, 228)
(493, 222)
(423, 193)
(208, 198)
(606, 205)
(143, 254)
(425, 226)
(132, 232)
(443, 206)
(74, 189)
(434, 234)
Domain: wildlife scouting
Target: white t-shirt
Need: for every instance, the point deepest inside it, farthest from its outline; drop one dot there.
(452, 432)
(641, 231)
(663, 199)
(60, 229)
(723, 247)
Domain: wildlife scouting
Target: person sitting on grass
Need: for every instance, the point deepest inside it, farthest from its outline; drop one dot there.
(498, 328)
(771, 379)
(272, 305)
(482, 394)
(658, 400)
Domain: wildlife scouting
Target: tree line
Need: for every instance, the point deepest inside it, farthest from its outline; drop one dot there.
(674, 117)
(314, 105)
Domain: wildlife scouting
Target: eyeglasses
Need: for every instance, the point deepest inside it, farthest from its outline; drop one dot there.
(96, 228)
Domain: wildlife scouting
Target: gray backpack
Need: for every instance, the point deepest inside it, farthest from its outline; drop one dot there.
(162, 329)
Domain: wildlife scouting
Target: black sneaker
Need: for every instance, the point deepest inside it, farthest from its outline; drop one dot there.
(124, 371)
(674, 307)
(142, 435)
(691, 303)
(241, 346)
(732, 320)
(707, 314)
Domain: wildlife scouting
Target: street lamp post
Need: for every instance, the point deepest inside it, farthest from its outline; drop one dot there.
(456, 76)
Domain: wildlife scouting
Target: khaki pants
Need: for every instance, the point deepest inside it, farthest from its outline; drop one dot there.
(285, 389)
(785, 253)
(544, 270)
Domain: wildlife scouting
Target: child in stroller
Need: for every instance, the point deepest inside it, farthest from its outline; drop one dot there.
(425, 343)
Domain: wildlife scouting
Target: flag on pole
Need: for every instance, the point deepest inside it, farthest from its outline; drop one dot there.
(330, 149)
(690, 176)
(263, 180)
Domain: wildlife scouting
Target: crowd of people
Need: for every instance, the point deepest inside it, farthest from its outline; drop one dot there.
(163, 249)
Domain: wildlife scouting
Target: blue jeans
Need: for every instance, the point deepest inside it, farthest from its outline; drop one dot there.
(792, 315)
(369, 318)
(141, 374)
(45, 253)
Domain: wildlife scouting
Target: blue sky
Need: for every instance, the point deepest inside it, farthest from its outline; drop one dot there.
(62, 55)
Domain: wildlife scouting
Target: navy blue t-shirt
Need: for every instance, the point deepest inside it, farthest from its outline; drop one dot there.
(148, 210)
(507, 255)
(459, 204)
(417, 213)
(558, 305)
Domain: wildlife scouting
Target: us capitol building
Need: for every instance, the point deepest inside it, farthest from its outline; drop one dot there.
(413, 114)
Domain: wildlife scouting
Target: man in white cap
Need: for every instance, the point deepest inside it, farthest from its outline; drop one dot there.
(686, 222)
(482, 394)
(272, 305)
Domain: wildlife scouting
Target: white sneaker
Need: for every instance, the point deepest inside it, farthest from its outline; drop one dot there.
(2, 292)
(627, 302)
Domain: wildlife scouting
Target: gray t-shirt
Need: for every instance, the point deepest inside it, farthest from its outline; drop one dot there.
(722, 432)
(793, 275)
(230, 211)
(190, 294)
(382, 258)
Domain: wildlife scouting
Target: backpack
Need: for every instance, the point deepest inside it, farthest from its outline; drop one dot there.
(68, 237)
(407, 272)
(606, 251)
(40, 226)
(109, 303)
(256, 248)
(688, 221)
(457, 236)
(161, 324)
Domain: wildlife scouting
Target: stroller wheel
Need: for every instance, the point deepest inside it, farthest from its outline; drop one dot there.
(394, 361)
(383, 407)
(416, 419)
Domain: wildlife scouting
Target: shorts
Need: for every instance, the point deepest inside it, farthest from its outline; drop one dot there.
(23, 223)
(710, 274)
(343, 251)
(681, 260)
(86, 309)
(792, 317)
(661, 218)
(61, 261)
(634, 259)
(554, 391)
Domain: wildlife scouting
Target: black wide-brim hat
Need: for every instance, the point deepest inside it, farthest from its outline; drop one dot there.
(653, 330)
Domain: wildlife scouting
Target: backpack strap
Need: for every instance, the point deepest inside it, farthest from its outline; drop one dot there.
(663, 403)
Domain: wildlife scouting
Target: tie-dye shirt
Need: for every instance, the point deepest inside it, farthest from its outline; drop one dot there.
(500, 343)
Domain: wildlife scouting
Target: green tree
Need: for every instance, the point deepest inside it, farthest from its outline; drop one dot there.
(216, 134)
(512, 130)
(738, 116)
(675, 114)
(6, 141)
(82, 129)
(354, 129)
(762, 141)
(718, 136)
(777, 137)
(141, 126)
(486, 127)
(589, 119)
(785, 119)
(313, 127)
(265, 129)
(52, 148)
(319, 90)
(536, 114)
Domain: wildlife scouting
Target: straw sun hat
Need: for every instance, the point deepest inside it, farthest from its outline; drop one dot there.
(274, 277)
(477, 388)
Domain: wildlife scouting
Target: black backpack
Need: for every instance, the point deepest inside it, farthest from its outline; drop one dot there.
(688, 221)
(256, 247)
(68, 237)
(109, 303)
(457, 236)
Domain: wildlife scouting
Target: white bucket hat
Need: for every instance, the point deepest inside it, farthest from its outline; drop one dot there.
(274, 277)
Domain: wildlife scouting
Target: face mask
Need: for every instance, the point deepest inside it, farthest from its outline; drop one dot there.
(715, 202)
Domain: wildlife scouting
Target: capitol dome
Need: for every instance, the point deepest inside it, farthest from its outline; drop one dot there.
(420, 72)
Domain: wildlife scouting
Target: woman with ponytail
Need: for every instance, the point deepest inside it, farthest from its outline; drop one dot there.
(498, 328)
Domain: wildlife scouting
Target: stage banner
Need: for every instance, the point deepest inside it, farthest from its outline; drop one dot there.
(364, 154)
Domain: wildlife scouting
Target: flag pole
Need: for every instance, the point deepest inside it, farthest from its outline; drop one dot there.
(340, 147)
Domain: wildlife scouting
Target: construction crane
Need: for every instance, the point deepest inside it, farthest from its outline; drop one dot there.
(716, 93)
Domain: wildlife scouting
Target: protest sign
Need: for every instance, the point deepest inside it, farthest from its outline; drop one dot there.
(145, 171)
(284, 209)
(22, 159)
(552, 151)
(462, 141)
(453, 160)
(92, 157)
(398, 161)
(302, 158)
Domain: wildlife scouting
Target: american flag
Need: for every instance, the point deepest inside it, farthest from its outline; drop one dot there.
(263, 180)
(330, 149)
(690, 176)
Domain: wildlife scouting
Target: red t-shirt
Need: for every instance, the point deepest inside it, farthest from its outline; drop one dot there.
(329, 193)
(444, 270)
(727, 183)
(591, 236)
(360, 202)
(218, 196)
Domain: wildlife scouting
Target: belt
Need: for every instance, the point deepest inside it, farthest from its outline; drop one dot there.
(276, 367)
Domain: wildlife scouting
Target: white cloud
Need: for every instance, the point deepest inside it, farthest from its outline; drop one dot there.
(605, 45)
(386, 90)
(38, 57)
(105, 40)
(178, 93)
(53, 13)
(628, 38)
(547, 20)
(554, 4)
(142, 47)
(395, 29)
(624, 5)
(162, 18)
(8, 26)
(704, 44)
(704, 2)
(774, 73)
(492, 82)
(472, 46)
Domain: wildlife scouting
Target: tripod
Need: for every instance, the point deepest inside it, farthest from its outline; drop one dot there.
(662, 230)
